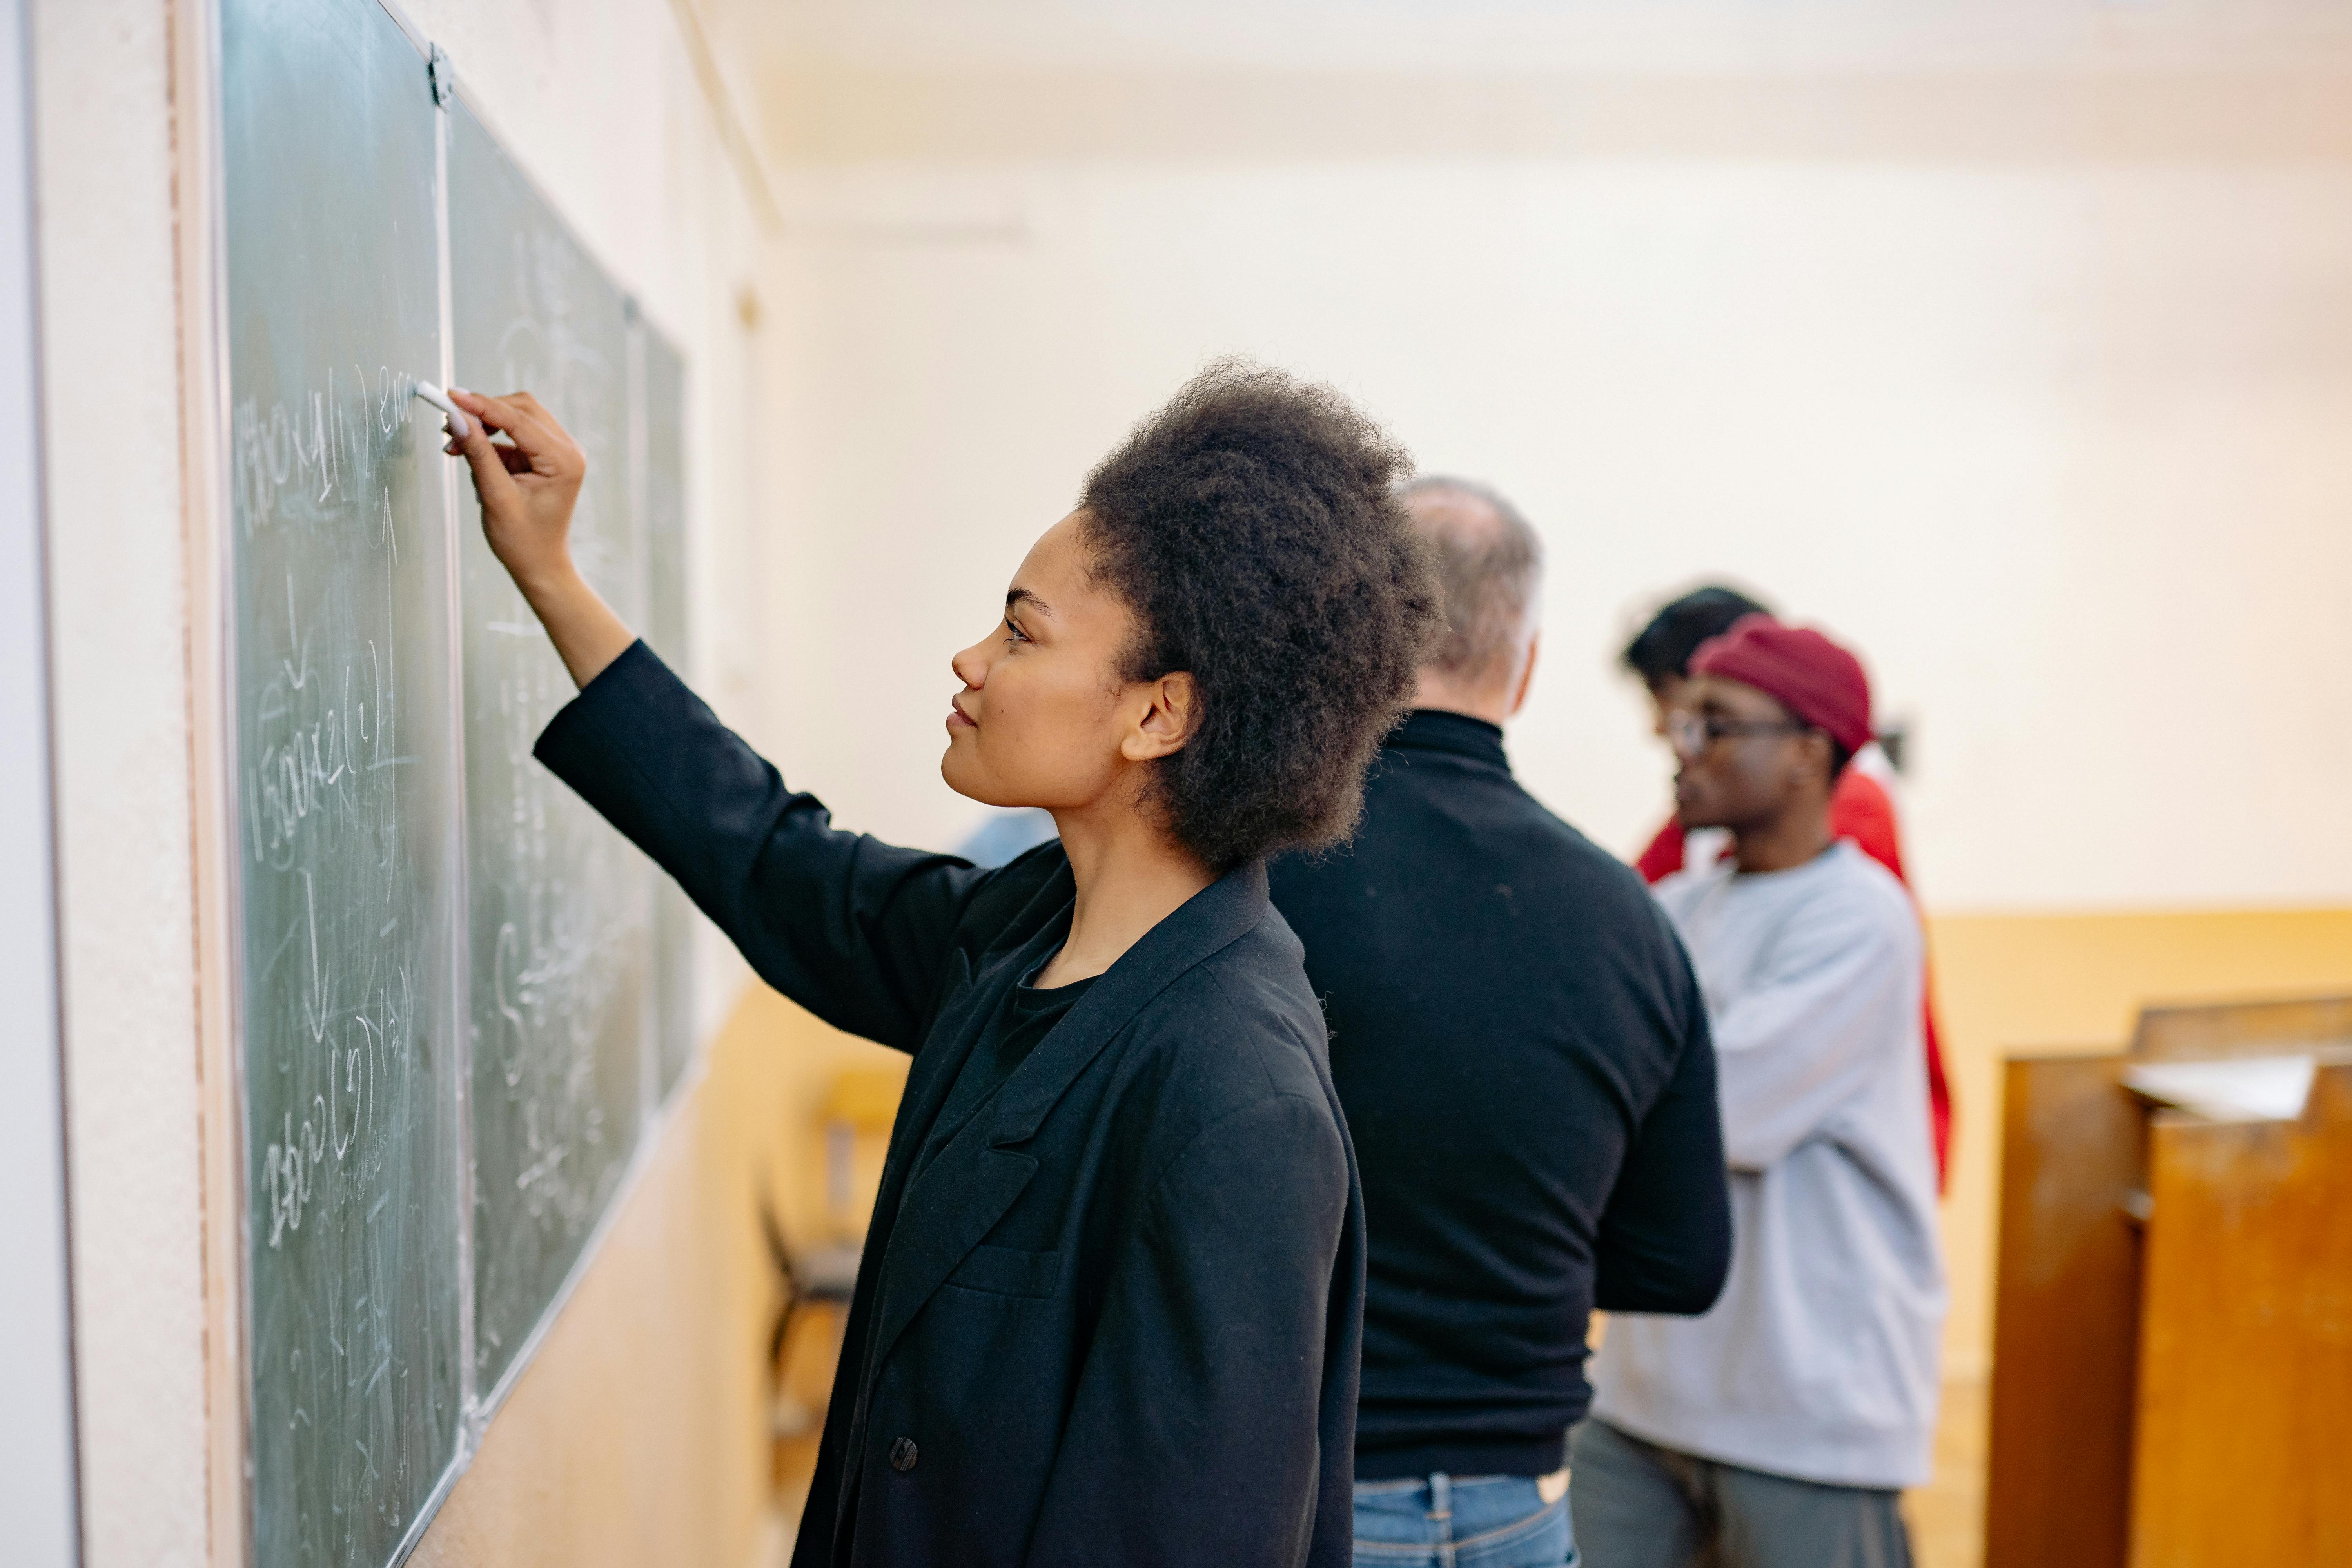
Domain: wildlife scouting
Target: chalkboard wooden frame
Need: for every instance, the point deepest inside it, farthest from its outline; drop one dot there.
(230, 1288)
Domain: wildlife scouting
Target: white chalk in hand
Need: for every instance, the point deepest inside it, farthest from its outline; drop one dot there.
(458, 427)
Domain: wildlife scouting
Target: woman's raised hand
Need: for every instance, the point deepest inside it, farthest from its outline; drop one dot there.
(528, 490)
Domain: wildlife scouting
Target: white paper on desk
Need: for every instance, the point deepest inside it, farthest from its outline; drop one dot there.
(2231, 1089)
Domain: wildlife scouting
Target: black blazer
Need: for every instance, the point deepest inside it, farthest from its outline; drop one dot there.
(1116, 1318)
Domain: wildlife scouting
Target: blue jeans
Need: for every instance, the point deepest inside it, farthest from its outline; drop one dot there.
(1467, 1521)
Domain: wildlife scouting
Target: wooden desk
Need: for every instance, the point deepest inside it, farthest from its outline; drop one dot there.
(2172, 1343)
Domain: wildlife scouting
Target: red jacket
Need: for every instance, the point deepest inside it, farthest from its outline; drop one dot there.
(1861, 811)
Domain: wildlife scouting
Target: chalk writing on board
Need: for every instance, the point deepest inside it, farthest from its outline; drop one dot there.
(560, 907)
(409, 881)
(325, 720)
(305, 464)
(347, 828)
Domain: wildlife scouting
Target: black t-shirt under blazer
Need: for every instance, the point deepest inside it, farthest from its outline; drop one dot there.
(1525, 1062)
(1114, 1317)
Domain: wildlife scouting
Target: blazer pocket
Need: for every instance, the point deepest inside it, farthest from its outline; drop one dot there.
(1009, 1271)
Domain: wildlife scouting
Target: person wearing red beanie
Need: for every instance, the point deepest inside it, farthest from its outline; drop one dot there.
(1860, 808)
(1780, 1427)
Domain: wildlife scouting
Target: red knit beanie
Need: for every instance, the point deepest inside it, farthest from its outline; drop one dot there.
(1814, 679)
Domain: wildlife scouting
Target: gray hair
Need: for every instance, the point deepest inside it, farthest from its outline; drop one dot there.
(1489, 564)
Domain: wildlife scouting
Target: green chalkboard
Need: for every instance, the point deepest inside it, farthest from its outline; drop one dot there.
(460, 995)
(347, 817)
(561, 906)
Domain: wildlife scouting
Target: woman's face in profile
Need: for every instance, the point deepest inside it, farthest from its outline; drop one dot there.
(1042, 713)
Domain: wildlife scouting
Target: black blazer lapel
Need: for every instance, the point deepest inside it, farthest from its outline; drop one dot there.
(927, 1240)
(979, 1175)
(1208, 922)
(934, 1237)
(967, 1007)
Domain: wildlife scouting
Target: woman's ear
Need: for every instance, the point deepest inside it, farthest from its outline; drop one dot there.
(1170, 707)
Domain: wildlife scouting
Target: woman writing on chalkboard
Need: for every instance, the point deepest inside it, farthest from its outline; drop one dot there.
(1110, 1301)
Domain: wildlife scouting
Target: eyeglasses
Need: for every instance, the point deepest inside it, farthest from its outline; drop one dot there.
(1691, 734)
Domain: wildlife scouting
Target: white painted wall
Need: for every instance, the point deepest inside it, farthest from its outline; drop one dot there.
(117, 634)
(2057, 441)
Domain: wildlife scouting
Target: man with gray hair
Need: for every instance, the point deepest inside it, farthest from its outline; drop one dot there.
(1523, 1056)
(1490, 565)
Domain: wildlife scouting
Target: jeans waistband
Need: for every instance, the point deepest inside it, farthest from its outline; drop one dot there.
(1422, 1483)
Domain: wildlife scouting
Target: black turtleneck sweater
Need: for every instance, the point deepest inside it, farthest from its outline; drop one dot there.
(1523, 1058)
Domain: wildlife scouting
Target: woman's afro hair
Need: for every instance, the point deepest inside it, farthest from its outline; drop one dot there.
(1252, 526)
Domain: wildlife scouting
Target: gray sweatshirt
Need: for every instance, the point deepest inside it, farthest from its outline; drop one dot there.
(1819, 1361)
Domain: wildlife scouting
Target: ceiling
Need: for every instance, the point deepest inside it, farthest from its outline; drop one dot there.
(1639, 37)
